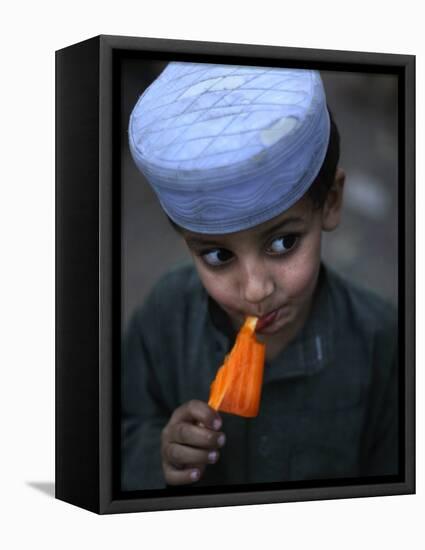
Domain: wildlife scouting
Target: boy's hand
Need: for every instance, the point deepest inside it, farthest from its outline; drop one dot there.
(189, 442)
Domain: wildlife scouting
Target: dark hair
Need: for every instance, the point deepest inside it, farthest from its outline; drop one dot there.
(321, 185)
(319, 188)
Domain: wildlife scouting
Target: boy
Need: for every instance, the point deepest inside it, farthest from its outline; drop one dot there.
(244, 161)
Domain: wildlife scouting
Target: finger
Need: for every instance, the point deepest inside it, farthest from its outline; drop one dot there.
(195, 436)
(199, 412)
(175, 476)
(183, 456)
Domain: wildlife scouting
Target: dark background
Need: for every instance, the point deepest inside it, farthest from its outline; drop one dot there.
(363, 248)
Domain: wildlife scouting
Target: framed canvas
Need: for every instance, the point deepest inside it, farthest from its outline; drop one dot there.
(135, 344)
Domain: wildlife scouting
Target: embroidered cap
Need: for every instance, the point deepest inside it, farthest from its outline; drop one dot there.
(228, 147)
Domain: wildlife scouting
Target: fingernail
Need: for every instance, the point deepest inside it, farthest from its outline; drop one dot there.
(221, 440)
(212, 456)
(194, 475)
(217, 424)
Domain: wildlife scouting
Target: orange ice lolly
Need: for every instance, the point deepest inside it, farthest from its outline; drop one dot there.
(236, 388)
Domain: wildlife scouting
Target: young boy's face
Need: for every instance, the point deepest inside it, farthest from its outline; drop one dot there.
(270, 270)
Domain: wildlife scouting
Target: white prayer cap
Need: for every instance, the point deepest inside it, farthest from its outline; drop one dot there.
(228, 147)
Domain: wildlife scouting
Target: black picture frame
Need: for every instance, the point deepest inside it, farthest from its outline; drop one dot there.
(88, 271)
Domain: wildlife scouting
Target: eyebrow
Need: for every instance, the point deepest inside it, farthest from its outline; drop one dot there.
(295, 220)
(200, 241)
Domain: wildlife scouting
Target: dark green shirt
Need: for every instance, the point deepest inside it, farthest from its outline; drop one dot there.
(329, 400)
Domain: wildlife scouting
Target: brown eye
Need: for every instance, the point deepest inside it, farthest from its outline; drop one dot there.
(217, 257)
(281, 245)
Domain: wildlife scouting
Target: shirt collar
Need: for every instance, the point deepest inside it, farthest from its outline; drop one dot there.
(310, 351)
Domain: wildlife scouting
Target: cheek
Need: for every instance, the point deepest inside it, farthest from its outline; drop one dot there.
(218, 287)
(298, 278)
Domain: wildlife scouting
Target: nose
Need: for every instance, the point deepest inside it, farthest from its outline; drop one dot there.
(256, 282)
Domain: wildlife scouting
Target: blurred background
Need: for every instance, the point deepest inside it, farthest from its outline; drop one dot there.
(363, 248)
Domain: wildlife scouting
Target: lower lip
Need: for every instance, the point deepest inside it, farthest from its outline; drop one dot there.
(266, 321)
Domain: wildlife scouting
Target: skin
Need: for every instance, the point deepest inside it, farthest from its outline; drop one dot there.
(271, 267)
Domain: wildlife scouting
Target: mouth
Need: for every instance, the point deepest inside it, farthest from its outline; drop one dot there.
(266, 320)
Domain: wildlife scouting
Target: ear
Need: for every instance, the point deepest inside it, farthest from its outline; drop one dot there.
(331, 212)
